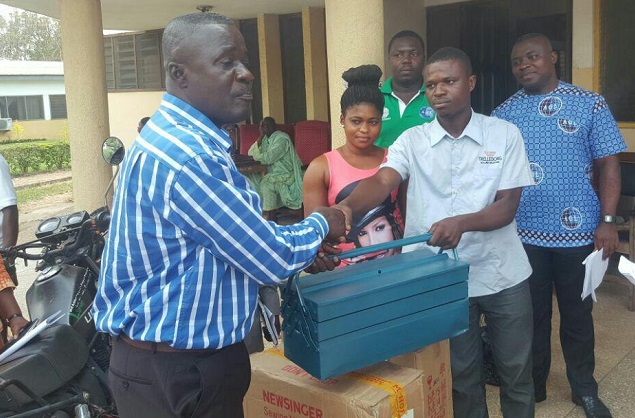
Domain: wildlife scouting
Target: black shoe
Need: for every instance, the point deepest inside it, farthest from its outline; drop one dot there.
(593, 406)
(540, 396)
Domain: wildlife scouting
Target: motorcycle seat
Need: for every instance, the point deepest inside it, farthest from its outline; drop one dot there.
(43, 365)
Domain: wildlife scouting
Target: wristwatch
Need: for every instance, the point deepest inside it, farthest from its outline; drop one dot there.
(608, 219)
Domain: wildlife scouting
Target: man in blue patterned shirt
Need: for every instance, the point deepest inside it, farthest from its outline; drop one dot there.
(568, 131)
(188, 247)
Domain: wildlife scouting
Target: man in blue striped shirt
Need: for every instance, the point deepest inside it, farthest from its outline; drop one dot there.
(188, 247)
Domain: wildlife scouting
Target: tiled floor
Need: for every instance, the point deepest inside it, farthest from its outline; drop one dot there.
(615, 360)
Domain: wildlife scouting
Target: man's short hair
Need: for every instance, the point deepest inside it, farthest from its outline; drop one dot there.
(534, 35)
(182, 27)
(408, 34)
(452, 54)
(268, 119)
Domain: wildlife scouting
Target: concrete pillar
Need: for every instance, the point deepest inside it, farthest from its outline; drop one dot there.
(271, 67)
(315, 71)
(86, 99)
(355, 36)
(583, 34)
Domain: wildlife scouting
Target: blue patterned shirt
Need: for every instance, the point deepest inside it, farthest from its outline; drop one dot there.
(188, 247)
(564, 131)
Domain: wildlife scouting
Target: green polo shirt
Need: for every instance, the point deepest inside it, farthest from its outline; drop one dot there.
(417, 112)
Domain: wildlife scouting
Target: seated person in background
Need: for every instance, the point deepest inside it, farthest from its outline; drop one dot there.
(332, 176)
(282, 185)
(142, 123)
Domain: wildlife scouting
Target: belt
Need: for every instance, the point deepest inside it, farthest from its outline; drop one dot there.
(159, 347)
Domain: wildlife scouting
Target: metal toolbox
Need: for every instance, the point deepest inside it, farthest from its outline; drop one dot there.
(342, 320)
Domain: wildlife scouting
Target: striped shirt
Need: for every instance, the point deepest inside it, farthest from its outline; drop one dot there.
(188, 247)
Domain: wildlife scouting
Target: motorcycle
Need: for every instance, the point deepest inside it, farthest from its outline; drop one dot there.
(60, 369)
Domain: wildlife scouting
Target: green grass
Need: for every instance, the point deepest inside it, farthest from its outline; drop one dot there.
(29, 194)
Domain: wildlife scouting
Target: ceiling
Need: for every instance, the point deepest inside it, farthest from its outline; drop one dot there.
(154, 14)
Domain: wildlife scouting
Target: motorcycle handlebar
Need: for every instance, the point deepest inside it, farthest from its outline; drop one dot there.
(20, 251)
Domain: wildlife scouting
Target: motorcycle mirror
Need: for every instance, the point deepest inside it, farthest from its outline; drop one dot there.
(113, 150)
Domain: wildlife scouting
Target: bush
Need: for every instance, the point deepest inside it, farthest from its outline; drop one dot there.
(56, 155)
(19, 141)
(27, 157)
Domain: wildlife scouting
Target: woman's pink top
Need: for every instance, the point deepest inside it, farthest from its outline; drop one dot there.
(341, 174)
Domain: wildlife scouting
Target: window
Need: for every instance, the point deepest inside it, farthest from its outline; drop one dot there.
(58, 106)
(133, 61)
(617, 62)
(22, 107)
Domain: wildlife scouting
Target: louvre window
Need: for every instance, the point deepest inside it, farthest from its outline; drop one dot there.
(133, 61)
(58, 106)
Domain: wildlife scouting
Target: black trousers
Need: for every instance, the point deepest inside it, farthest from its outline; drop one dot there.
(183, 384)
(562, 269)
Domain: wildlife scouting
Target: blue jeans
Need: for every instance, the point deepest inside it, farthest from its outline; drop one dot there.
(508, 315)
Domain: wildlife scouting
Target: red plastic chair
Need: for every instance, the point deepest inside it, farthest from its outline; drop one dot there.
(248, 135)
(288, 129)
(312, 139)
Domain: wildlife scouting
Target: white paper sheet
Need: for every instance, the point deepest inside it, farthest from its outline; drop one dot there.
(627, 268)
(594, 269)
(269, 319)
(30, 334)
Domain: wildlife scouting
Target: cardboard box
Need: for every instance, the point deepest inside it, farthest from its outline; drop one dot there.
(434, 362)
(280, 389)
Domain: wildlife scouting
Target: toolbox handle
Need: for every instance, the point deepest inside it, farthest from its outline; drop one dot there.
(389, 245)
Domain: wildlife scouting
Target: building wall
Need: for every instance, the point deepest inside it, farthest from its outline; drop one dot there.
(45, 128)
(48, 129)
(126, 109)
(22, 87)
(33, 88)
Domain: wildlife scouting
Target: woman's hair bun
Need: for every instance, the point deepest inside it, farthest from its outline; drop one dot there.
(368, 74)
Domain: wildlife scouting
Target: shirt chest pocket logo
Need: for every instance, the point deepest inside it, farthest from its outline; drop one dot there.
(490, 164)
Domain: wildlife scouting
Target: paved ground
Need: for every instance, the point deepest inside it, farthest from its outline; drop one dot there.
(31, 214)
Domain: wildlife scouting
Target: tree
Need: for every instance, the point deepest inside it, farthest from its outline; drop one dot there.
(27, 36)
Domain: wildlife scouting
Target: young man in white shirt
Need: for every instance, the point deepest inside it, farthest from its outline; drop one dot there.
(466, 174)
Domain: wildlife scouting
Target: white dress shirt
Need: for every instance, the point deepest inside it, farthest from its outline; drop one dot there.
(455, 176)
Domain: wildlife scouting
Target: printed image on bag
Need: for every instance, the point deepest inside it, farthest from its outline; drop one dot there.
(381, 224)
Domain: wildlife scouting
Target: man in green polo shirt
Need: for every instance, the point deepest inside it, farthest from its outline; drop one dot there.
(404, 94)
